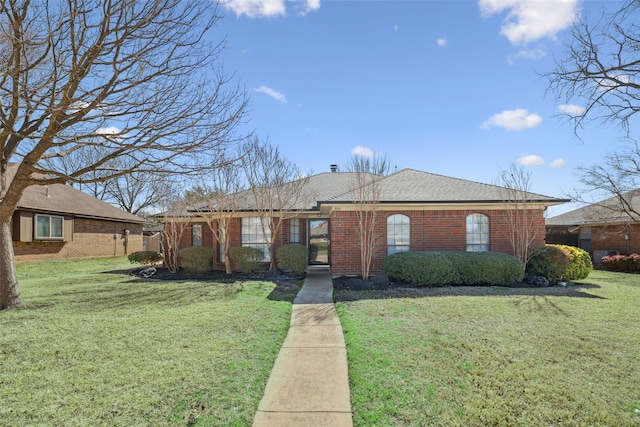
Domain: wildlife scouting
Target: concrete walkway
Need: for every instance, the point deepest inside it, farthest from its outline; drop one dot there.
(309, 385)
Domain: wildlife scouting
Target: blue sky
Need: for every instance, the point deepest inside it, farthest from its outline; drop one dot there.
(448, 87)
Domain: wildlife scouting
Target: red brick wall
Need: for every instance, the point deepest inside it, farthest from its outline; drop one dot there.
(430, 231)
(444, 230)
(91, 238)
(612, 238)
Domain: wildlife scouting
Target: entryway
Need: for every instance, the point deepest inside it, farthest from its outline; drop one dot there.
(319, 241)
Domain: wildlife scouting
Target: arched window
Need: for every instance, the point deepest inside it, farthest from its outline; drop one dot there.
(398, 233)
(477, 233)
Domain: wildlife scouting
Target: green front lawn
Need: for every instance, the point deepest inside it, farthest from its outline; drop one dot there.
(104, 349)
(525, 360)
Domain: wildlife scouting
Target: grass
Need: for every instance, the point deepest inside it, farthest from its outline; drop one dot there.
(104, 349)
(526, 360)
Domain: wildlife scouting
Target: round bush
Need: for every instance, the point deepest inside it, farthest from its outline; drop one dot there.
(487, 268)
(246, 259)
(196, 259)
(421, 268)
(580, 264)
(145, 257)
(549, 261)
(292, 258)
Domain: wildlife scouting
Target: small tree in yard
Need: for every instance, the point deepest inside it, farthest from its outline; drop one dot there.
(277, 187)
(123, 79)
(522, 220)
(174, 226)
(366, 172)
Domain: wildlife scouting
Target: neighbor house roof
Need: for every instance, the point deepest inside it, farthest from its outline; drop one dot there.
(608, 211)
(65, 200)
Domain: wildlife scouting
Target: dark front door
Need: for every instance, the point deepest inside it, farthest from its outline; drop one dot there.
(319, 241)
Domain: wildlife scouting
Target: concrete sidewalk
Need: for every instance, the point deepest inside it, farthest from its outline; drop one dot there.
(309, 385)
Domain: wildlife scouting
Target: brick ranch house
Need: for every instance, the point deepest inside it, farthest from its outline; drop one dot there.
(59, 221)
(416, 211)
(601, 228)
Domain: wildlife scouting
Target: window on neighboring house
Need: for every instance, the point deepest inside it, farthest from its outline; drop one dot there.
(477, 233)
(196, 235)
(398, 233)
(252, 235)
(49, 227)
(294, 230)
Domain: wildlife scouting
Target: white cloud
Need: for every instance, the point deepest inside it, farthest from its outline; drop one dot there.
(111, 130)
(531, 160)
(362, 151)
(534, 54)
(517, 119)
(571, 110)
(272, 93)
(268, 8)
(531, 20)
(442, 41)
(558, 163)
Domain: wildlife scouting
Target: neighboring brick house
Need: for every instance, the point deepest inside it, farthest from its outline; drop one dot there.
(602, 228)
(416, 211)
(58, 221)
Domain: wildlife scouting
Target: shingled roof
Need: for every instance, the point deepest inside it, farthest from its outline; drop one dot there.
(608, 211)
(65, 200)
(405, 186)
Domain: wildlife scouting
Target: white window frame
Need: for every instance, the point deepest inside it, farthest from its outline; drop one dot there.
(196, 235)
(398, 233)
(478, 239)
(294, 230)
(38, 236)
(252, 236)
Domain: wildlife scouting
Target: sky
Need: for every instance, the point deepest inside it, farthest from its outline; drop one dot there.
(448, 87)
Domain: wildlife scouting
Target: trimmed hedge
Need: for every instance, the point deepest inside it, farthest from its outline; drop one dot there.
(580, 264)
(196, 259)
(453, 268)
(292, 258)
(622, 263)
(145, 257)
(549, 261)
(246, 259)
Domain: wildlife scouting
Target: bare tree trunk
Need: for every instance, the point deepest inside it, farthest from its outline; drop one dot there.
(9, 291)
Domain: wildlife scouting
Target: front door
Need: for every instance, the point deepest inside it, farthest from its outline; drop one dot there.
(319, 241)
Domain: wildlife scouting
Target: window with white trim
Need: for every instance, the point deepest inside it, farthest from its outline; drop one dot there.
(252, 234)
(196, 235)
(477, 233)
(49, 227)
(398, 233)
(294, 230)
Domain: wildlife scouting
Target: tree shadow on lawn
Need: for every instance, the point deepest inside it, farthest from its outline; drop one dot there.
(344, 292)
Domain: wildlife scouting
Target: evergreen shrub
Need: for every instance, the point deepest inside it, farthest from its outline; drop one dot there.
(292, 258)
(246, 259)
(145, 257)
(580, 264)
(549, 261)
(196, 259)
(622, 263)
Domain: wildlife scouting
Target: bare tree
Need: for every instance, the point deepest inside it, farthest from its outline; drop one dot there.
(600, 69)
(522, 221)
(366, 195)
(139, 80)
(613, 189)
(277, 187)
(173, 228)
(220, 202)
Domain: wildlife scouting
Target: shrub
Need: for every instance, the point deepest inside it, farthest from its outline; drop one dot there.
(246, 259)
(453, 268)
(622, 263)
(580, 264)
(292, 258)
(145, 257)
(549, 261)
(487, 268)
(421, 268)
(196, 259)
